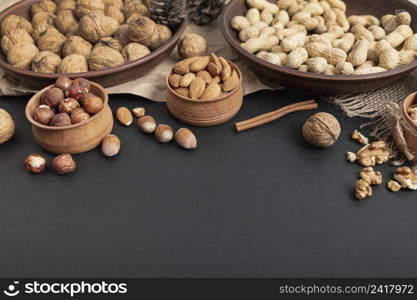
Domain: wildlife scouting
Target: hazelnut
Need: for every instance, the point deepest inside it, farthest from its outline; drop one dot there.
(79, 87)
(93, 104)
(147, 124)
(43, 114)
(79, 115)
(60, 120)
(321, 130)
(164, 133)
(138, 112)
(52, 97)
(63, 83)
(68, 105)
(35, 163)
(111, 145)
(186, 139)
(64, 164)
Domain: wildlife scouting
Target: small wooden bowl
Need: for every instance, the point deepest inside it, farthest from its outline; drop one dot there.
(206, 112)
(108, 77)
(331, 84)
(409, 132)
(76, 138)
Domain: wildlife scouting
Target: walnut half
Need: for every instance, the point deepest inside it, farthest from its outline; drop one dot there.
(372, 154)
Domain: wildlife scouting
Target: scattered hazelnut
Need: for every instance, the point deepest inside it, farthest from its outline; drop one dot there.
(63, 83)
(68, 105)
(93, 104)
(35, 163)
(52, 97)
(79, 115)
(79, 87)
(186, 139)
(60, 120)
(111, 145)
(64, 164)
(138, 112)
(321, 130)
(164, 133)
(43, 114)
(147, 124)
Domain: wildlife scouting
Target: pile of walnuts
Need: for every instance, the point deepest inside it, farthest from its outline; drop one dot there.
(317, 36)
(71, 36)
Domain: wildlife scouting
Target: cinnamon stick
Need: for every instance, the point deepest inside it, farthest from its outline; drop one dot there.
(274, 115)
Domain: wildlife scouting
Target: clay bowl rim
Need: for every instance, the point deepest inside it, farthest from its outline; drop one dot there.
(198, 101)
(408, 101)
(90, 74)
(29, 112)
(229, 34)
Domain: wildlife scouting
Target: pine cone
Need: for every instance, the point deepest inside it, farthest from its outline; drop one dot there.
(203, 12)
(168, 12)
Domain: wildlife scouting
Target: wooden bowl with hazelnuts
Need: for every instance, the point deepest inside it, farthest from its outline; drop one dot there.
(70, 116)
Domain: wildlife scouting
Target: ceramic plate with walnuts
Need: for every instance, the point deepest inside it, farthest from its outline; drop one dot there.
(108, 41)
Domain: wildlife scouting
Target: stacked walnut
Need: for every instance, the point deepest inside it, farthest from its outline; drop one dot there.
(70, 36)
(316, 36)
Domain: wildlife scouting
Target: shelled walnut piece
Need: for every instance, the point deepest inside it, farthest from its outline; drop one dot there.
(372, 154)
(204, 77)
(368, 177)
(359, 137)
(300, 32)
(407, 178)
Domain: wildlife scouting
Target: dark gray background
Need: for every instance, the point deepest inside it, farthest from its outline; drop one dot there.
(259, 203)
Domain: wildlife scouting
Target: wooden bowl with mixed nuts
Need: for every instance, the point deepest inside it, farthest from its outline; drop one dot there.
(329, 46)
(71, 116)
(204, 91)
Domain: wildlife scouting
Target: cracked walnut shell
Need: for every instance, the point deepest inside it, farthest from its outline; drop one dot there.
(321, 130)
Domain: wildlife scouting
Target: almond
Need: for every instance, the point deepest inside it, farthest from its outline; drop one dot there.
(205, 76)
(215, 59)
(197, 88)
(183, 92)
(213, 91)
(199, 64)
(124, 116)
(186, 80)
(174, 80)
(111, 145)
(227, 69)
(231, 82)
(213, 69)
(183, 67)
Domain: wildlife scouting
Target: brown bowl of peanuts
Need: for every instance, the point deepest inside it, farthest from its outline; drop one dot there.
(329, 46)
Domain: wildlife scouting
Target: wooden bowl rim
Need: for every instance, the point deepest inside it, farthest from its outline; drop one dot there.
(408, 101)
(205, 100)
(91, 74)
(228, 33)
(29, 112)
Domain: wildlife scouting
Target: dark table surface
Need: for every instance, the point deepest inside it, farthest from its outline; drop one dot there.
(259, 203)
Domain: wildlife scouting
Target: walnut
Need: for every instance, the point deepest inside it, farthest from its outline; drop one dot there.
(116, 3)
(192, 45)
(412, 112)
(67, 4)
(13, 22)
(46, 62)
(74, 63)
(393, 186)
(14, 37)
(135, 7)
(96, 26)
(372, 154)
(104, 57)
(21, 55)
(406, 178)
(115, 13)
(352, 157)
(321, 130)
(146, 32)
(41, 22)
(363, 189)
(76, 45)
(7, 126)
(110, 42)
(122, 34)
(85, 7)
(52, 40)
(373, 177)
(134, 51)
(48, 6)
(66, 22)
(359, 137)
